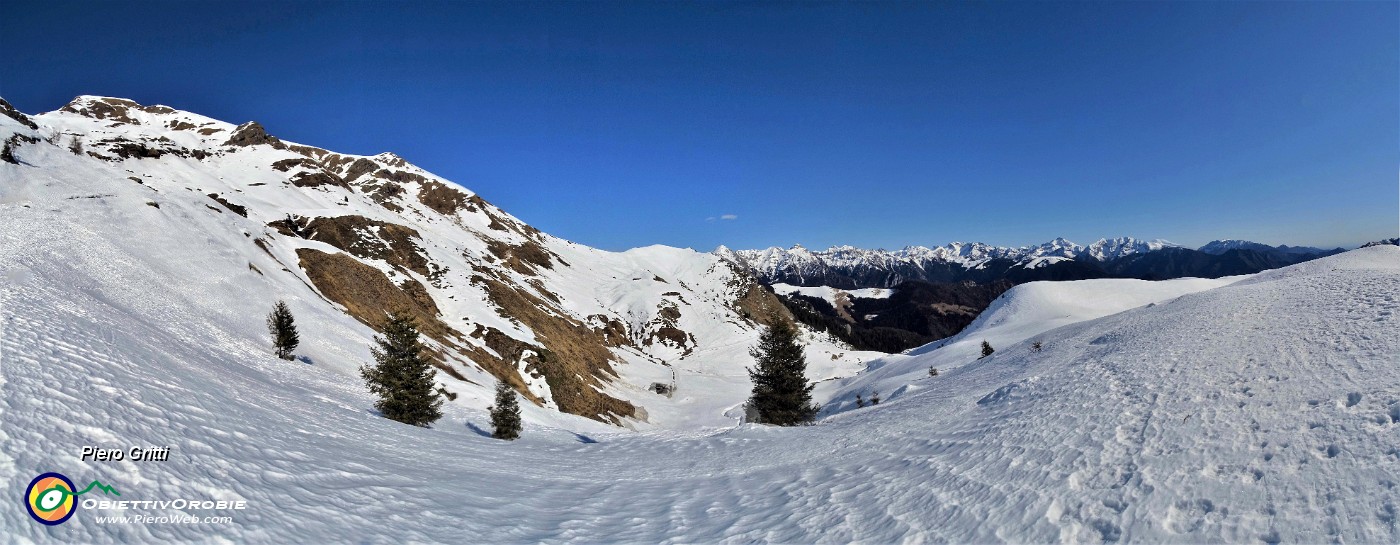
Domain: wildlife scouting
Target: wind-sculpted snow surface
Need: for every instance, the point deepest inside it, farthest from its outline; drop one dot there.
(1265, 410)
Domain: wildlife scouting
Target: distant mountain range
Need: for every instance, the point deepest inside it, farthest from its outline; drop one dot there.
(939, 291)
(848, 267)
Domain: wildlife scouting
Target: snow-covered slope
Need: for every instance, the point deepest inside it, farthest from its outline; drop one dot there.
(228, 219)
(1018, 317)
(1265, 410)
(830, 294)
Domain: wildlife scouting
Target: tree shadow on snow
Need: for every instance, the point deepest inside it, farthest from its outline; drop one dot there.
(478, 430)
(306, 360)
(584, 438)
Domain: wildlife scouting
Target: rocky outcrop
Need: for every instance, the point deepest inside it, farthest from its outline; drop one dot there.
(9, 111)
(252, 134)
(115, 109)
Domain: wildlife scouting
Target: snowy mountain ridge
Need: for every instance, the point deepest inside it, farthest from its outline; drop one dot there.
(1217, 247)
(966, 254)
(798, 263)
(247, 218)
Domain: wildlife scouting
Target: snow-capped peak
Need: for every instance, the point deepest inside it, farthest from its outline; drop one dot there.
(1107, 249)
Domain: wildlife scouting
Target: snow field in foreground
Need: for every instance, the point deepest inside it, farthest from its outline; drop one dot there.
(1261, 411)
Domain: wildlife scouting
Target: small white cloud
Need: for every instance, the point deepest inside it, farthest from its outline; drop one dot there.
(710, 219)
(729, 217)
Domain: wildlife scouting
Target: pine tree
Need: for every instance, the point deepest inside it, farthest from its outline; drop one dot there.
(284, 330)
(401, 376)
(932, 371)
(505, 414)
(781, 394)
(986, 349)
(875, 398)
(860, 401)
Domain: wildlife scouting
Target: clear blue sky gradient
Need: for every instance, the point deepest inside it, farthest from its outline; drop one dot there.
(877, 125)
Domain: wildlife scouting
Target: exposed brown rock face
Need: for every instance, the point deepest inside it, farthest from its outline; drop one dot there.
(252, 134)
(9, 111)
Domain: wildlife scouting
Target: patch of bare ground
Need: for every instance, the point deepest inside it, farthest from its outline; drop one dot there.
(317, 178)
(369, 296)
(663, 328)
(756, 303)
(394, 244)
(115, 109)
(236, 209)
(440, 198)
(287, 165)
(524, 258)
(574, 358)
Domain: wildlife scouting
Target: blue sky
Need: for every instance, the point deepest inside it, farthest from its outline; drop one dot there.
(755, 124)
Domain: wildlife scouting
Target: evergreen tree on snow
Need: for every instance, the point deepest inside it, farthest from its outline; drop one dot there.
(987, 349)
(401, 376)
(505, 414)
(284, 330)
(781, 394)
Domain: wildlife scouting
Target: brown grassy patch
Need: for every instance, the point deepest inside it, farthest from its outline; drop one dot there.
(441, 198)
(371, 239)
(575, 356)
(368, 295)
(522, 258)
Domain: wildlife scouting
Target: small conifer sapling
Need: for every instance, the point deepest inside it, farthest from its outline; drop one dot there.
(284, 331)
(505, 414)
